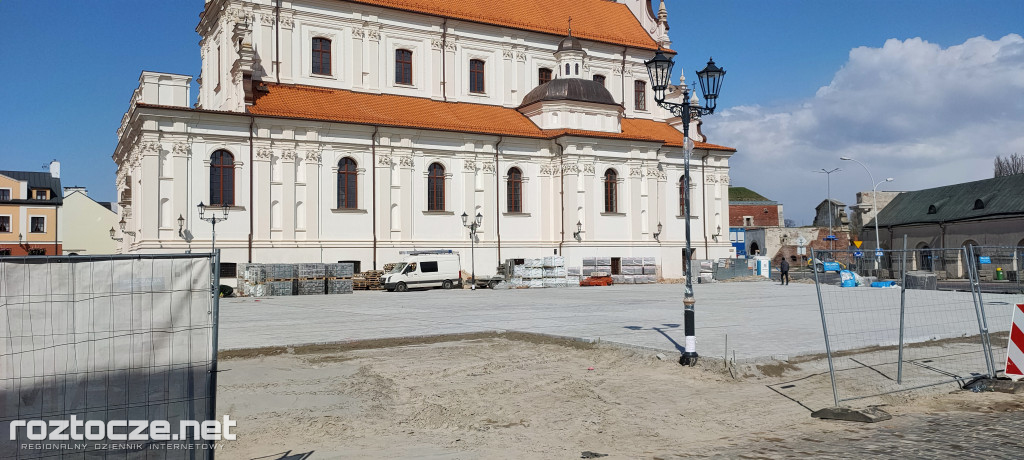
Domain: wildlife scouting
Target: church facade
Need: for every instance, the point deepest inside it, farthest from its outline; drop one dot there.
(354, 130)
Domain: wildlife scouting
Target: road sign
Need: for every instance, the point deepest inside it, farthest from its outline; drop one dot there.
(879, 253)
(801, 250)
(830, 238)
(1015, 349)
(858, 254)
(984, 260)
(857, 243)
(801, 241)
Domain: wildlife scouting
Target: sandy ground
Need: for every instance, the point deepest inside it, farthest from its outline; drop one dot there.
(526, 396)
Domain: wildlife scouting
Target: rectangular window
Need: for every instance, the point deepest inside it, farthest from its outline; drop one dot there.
(321, 56)
(5, 194)
(37, 252)
(5, 252)
(403, 67)
(476, 76)
(37, 224)
(640, 94)
(5, 224)
(599, 79)
(543, 76)
(428, 267)
(41, 195)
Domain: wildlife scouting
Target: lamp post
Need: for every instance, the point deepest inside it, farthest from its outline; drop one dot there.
(828, 175)
(472, 226)
(213, 219)
(874, 199)
(660, 70)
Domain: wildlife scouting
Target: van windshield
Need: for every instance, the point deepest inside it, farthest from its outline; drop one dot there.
(398, 267)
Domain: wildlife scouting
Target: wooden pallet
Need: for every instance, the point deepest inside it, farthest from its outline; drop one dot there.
(388, 267)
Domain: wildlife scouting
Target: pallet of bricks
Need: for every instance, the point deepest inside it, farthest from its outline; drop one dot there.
(339, 278)
(369, 280)
(637, 270)
(539, 273)
(592, 265)
(262, 280)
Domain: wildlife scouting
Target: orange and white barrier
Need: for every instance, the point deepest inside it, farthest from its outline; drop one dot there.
(1015, 349)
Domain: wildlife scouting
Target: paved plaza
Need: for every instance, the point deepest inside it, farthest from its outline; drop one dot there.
(752, 319)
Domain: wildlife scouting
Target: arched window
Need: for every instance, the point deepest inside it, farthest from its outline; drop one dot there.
(347, 190)
(515, 190)
(932, 209)
(222, 179)
(640, 94)
(682, 195)
(978, 204)
(611, 194)
(577, 69)
(435, 187)
(566, 69)
(543, 75)
(599, 79)
(403, 67)
(476, 76)
(321, 56)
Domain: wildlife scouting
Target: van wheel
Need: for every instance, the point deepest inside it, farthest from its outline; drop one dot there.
(401, 287)
(447, 284)
(492, 284)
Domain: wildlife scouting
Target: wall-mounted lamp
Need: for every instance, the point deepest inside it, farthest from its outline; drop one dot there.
(718, 233)
(122, 223)
(181, 226)
(112, 233)
(579, 231)
(657, 234)
(21, 239)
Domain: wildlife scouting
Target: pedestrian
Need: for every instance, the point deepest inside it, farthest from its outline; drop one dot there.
(784, 268)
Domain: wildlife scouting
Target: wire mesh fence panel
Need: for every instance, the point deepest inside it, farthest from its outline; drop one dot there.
(100, 339)
(889, 327)
(1000, 269)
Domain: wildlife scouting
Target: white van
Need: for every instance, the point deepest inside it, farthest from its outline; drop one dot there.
(425, 269)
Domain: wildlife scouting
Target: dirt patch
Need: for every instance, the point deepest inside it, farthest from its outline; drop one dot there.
(504, 395)
(776, 369)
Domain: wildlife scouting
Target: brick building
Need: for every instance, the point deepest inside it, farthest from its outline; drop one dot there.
(748, 208)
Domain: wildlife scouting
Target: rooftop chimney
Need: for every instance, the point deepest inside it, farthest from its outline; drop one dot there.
(55, 169)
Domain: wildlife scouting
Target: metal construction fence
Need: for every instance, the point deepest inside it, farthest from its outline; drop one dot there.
(914, 318)
(101, 338)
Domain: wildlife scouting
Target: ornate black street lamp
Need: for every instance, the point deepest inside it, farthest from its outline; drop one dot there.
(660, 70)
(213, 219)
(472, 226)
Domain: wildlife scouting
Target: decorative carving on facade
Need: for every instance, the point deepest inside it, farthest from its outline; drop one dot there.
(488, 166)
(588, 168)
(724, 178)
(373, 34)
(520, 56)
(571, 168)
(711, 179)
(264, 153)
(507, 53)
(150, 148)
(635, 171)
(384, 160)
(469, 166)
(617, 71)
(267, 19)
(405, 162)
(287, 22)
(288, 155)
(547, 169)
(180, 149)
(358, 33)
(313, 156)
(449, 45)
(436, 44)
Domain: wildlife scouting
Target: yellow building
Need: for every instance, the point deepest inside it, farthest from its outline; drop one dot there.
(30, 211)
(92, 221)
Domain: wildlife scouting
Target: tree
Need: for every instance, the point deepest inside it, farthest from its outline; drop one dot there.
(1013, 164)
(789, 222)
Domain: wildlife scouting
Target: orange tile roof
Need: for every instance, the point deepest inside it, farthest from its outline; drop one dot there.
(596, 20)
(307, 102)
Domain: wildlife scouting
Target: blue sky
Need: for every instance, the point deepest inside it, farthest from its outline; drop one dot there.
(807, 81)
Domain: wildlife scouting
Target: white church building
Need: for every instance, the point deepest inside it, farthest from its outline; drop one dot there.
(352, 130)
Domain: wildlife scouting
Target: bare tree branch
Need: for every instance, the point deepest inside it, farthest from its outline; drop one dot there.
(1013, 164)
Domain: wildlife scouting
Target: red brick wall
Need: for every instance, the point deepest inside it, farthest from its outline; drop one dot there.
(761, 219)
(842, 243)
(22, 249)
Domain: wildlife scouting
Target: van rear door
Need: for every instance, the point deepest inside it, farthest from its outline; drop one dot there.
(431, 277)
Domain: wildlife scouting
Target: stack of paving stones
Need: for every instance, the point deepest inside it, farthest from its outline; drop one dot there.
(368, 280)
(596, 264)
(554, 271)
(339, 278)
(261, 280)
(311, 279)
(573, 276)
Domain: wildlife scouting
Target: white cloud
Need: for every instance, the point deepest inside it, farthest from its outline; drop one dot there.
(912, 110)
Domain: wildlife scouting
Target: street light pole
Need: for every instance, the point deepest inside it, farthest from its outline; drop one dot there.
(874, 200)
(660, 70)
(828, 175)
(472, 226)
(212, 220)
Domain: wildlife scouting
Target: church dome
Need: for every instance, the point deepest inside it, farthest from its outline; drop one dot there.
(570, 89)
(570, 43)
